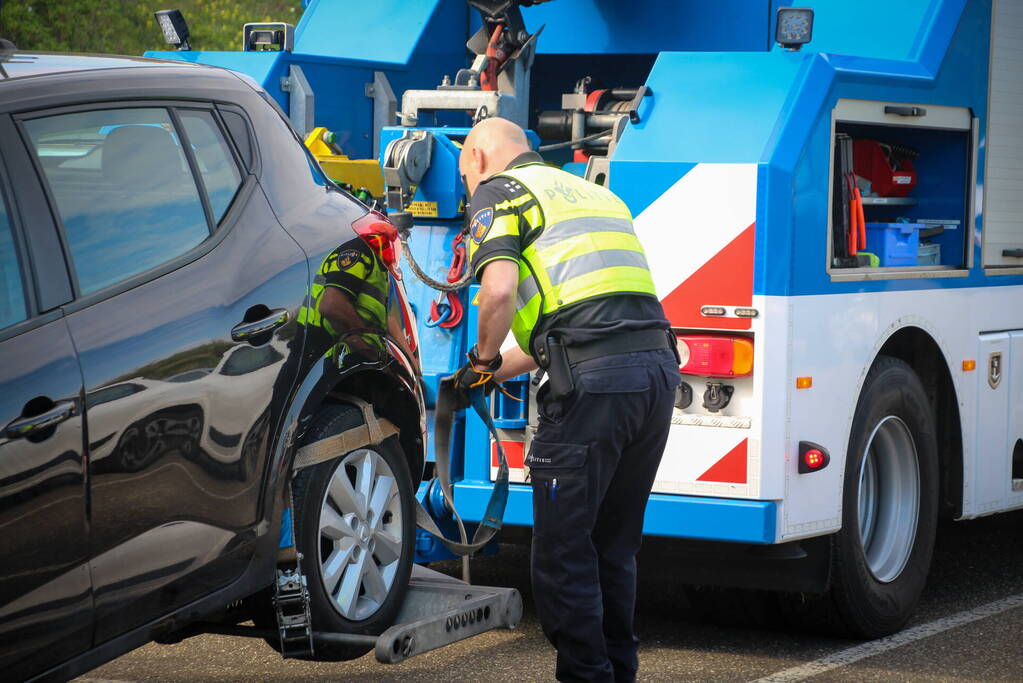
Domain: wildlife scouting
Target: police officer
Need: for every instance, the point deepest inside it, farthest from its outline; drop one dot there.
(561, 268)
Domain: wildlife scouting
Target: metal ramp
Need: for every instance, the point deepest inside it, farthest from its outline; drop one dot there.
(438, 610)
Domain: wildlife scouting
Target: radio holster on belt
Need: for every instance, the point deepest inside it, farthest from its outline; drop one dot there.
(556, 358)
(559, 372)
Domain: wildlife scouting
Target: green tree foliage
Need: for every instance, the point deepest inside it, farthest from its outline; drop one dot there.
(128, 27)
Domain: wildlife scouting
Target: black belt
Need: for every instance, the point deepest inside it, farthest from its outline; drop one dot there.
(556, 359)
(623, 342)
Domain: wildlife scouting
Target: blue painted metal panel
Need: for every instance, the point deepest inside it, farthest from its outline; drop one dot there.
(615, 27)
(442, 183)
(266, 68)
(385, 32)
(717, 519)
(639, 184)
(710, 107)
(877, 28)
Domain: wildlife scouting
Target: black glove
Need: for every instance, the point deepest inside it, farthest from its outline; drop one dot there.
(474, 374)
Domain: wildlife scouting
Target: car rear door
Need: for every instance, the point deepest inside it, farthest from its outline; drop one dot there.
(186, 294)
(45, 591)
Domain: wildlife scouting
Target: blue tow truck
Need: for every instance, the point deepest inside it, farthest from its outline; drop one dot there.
(821, 190)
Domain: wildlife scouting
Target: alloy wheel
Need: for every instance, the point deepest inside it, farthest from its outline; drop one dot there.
(360, 526)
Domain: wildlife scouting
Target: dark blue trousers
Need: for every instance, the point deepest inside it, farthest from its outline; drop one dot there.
(592, 464)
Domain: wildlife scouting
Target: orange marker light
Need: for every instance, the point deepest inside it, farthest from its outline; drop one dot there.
(804, 382)
(969, 365)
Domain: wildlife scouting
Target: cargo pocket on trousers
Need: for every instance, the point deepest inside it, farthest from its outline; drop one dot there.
(615, 379)
(560, 478)
(671, 375)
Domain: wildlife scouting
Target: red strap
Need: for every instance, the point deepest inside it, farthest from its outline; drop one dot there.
(495, 58)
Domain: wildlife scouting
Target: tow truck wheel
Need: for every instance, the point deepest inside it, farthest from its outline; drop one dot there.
(355, 525)
(882, 555)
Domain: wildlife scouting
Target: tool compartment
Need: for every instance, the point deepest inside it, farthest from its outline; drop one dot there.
(900, 186)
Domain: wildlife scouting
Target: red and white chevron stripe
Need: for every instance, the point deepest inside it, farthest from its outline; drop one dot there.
(699, 239)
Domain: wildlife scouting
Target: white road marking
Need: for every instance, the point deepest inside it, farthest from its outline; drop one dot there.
(856, 653)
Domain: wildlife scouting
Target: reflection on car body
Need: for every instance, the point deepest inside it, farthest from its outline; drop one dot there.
(346, 309)
(160, 423)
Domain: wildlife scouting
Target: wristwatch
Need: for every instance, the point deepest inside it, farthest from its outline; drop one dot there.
(478, 363)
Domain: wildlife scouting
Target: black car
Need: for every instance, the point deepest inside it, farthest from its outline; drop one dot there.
(186, 300)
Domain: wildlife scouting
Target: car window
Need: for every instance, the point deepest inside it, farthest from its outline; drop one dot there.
(123, 189)
(12, 294)
(239, 130)
(216, 163)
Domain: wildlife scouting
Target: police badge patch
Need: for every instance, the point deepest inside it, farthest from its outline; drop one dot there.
(480, 224)
(347, 257)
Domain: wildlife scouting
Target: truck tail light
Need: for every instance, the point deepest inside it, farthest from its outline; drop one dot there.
(715, 355)
(382, 237)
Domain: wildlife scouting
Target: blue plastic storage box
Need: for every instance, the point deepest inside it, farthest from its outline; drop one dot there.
(895, 244)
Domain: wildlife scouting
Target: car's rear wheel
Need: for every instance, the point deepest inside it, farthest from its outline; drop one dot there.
(355, 527)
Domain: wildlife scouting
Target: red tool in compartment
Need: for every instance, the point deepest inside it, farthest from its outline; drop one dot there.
(888, 167)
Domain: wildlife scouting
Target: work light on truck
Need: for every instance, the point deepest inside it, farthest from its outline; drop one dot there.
(710, 355)
(175, 30)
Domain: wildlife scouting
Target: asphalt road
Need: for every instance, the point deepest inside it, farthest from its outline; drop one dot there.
(969, 626)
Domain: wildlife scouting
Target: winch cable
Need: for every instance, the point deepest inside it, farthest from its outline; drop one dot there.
(570, 143)
(426, 279)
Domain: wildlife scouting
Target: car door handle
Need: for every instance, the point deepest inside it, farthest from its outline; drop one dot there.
(246, 331)
(27, 426)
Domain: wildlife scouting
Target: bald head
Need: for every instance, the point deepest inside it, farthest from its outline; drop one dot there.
(488, 149)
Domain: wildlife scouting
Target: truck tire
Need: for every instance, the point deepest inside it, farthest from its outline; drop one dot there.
(882, 555)
(355, 527)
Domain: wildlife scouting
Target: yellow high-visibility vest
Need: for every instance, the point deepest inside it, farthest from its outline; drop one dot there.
(586, 248)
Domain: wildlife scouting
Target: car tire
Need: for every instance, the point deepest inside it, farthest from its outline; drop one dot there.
(357, 558)
(882, 555)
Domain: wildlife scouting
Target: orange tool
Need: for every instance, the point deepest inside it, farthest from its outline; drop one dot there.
(860, 219)
(853, 236)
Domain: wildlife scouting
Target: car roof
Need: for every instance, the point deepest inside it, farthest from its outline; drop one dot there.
(24, 64)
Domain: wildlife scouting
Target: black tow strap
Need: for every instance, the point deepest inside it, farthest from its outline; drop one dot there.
(443, 423)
